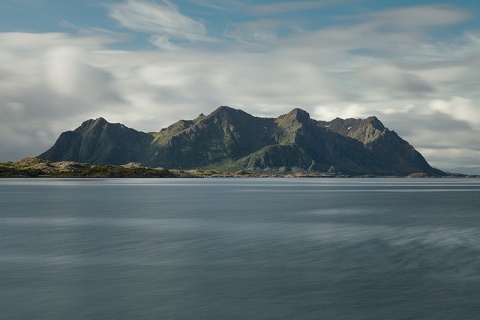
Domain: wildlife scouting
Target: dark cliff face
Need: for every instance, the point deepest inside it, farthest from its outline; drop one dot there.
(99, 142)
(223, 135)
(232, 139)
(390, 152)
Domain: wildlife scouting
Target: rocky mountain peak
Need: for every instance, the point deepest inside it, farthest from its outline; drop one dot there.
(93, 123)
(96, 122)
(224, 111)
(294, 119)
(299, 115)
(377, 124)
(225, 114)
(100, 120)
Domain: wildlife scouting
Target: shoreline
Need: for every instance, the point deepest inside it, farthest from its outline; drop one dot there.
(38, 168)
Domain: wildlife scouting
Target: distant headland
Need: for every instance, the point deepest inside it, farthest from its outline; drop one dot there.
(230, 142)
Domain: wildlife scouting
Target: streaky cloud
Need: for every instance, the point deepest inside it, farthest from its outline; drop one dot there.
(163, 21)
(289, 6)
(416, 17)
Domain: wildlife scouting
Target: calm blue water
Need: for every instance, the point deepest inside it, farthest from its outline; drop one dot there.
(211, 249)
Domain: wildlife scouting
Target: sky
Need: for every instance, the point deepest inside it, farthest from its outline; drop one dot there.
(148, 63)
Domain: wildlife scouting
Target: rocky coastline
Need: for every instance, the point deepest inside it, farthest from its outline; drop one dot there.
(39, 168)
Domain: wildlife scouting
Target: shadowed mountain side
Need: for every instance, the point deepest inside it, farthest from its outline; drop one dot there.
(387, 148)
(226, 134)
(230, 139)
(99, 142)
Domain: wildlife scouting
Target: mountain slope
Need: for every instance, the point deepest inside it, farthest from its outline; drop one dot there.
(386, 147)
(99, 142)
(223, 135)
(230, 139)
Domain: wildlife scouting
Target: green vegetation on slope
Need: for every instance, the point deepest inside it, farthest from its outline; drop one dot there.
(34, 167)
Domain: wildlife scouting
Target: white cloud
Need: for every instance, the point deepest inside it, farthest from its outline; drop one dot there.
(452, 157)
(418, 17)
(47, 85)
(163, 21)
(251, 32)
(63, 69)
(395, 79)
(342, 111)
(282, 7)
(458, 108)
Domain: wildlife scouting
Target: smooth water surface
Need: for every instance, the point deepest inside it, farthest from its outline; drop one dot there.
(211, 249)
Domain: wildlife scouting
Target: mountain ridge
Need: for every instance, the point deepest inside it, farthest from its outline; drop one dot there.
(230, 139)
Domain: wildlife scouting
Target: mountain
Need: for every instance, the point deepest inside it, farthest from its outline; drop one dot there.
(100, 142)
(229, 139)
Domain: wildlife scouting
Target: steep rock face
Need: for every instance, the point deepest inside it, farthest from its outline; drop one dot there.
(232, 139)
(363, 130)
(99, 142)
(223, 135)
(390, 152)
(278, 157)
(324, 149)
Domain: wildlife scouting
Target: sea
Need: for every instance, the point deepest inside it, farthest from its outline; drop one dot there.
(240, 248)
